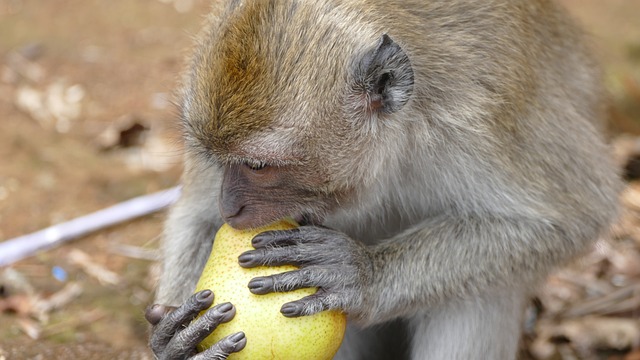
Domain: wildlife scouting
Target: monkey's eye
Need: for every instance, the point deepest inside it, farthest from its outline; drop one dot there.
(255, 165)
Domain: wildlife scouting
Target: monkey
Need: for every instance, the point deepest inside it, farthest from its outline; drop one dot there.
(441, 157)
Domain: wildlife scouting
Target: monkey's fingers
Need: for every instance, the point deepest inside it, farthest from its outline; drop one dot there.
(157, 312)
(308, 234)
(312, 304)
(288, 255)
(168, 326)
(312, 276)
(223, 348)
(277, 238)
(185, 341)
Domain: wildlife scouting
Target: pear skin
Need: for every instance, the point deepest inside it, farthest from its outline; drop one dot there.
(270, 335)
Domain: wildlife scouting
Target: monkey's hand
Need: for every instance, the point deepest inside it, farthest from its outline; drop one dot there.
(174, 336)
(339, 266)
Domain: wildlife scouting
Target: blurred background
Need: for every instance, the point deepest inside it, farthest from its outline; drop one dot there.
(87, 121)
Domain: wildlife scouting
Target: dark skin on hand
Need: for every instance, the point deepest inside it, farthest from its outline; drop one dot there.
(178, 335)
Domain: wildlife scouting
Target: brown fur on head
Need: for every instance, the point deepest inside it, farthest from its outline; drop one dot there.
(287, 85)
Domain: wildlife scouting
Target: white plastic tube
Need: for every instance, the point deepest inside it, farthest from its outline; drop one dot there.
(28, 245)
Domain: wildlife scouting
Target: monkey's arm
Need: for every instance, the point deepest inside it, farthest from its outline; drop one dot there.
(456, 257)
(189, 232)
(187, 242)
(441, 259)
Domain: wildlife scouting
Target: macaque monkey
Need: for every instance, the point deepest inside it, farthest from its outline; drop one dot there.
(442, 156)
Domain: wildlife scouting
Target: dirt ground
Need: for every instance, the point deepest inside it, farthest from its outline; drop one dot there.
(86, 121)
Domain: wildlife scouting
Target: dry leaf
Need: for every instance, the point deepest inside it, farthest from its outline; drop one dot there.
(126, 131)
(93, 269)
(600, 333)
(30, 327)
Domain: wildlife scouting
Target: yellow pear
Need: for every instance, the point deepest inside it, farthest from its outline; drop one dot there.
(270, 335)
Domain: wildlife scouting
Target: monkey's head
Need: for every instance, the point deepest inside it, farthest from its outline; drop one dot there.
(294, 102)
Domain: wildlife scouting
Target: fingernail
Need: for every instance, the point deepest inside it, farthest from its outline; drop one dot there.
(204, 294)
(245, 258)
(237, 337)
(259, 285)
(289, 310)
(256, 283)
(257, 240)
(225, 307)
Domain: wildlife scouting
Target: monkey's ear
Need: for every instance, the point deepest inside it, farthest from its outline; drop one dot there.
(385, 74)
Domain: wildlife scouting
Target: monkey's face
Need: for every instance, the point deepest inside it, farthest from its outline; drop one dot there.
(253, 195)
(283, 98)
